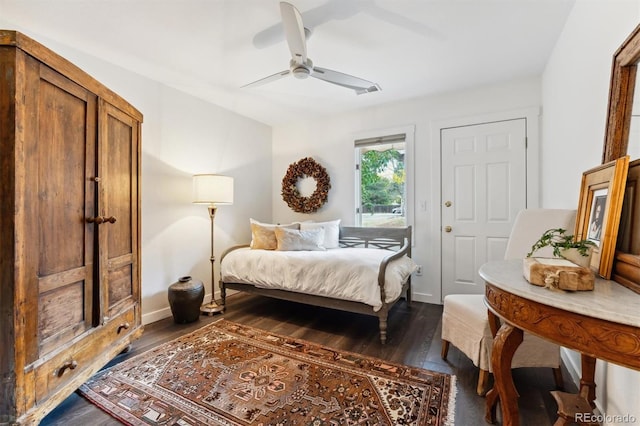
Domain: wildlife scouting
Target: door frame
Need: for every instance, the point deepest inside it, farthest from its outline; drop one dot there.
(532, 131)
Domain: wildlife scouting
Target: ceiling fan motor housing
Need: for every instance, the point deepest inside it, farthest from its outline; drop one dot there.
(301, 71)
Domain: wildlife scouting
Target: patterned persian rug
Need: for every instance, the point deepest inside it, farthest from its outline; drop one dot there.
(230, 374)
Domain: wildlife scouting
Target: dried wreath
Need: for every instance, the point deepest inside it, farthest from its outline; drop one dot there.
(290, 194)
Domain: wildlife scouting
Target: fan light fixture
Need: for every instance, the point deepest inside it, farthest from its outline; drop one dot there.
(301, 66)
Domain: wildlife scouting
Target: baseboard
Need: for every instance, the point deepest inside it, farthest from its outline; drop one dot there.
(425, 298)
(149, 317)
(154, 316)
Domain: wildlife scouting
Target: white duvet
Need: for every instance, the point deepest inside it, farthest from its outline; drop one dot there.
(342, 273)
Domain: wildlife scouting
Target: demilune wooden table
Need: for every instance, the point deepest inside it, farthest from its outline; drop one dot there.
(603, 324)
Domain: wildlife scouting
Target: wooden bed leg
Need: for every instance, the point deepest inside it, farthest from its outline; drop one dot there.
(383, 325)
(223, 294)
(409, 294)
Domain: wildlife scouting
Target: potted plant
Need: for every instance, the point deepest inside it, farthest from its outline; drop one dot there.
(565, 246)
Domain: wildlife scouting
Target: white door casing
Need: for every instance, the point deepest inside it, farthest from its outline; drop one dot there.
(483, 187)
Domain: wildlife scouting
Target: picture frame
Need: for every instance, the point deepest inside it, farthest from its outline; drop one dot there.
(626, 264)
(599, 208)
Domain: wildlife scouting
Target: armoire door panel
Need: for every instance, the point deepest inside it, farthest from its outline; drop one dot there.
(60, 320)
(61, 179)
(62, 195)
(120, 280)
(120, 284)
(118, 184)
(118, 194)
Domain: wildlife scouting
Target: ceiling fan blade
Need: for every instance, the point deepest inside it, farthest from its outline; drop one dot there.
(269, 79)
(294, 32)
(269, 36)
(359, 85)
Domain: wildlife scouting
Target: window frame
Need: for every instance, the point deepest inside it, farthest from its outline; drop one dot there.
(409, 132)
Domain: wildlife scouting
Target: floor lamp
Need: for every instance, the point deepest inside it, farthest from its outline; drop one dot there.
(213, 190)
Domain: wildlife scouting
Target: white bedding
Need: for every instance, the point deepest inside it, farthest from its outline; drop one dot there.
(341, 273)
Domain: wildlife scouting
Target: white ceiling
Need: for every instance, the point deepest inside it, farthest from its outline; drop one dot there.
(210, 48)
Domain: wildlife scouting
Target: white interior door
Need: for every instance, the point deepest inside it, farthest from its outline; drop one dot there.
(484, 186)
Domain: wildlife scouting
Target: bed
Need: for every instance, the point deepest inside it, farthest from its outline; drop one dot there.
(368, 272)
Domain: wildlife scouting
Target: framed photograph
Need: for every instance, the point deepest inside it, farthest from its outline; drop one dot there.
(599, 210)
(598, 204)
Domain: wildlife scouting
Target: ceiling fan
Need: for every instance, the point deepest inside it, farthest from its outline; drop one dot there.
(300, 66)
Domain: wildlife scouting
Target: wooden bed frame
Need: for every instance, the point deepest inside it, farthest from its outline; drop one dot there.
(398, 239)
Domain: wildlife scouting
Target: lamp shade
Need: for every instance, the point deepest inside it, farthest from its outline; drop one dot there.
(212, 189)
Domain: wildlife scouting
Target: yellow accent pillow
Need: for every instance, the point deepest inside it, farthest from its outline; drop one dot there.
(263, 235)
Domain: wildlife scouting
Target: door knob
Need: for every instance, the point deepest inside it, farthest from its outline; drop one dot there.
(447, 204)
(448, 228)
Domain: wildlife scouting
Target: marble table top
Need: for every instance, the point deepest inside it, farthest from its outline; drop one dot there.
(608, 300)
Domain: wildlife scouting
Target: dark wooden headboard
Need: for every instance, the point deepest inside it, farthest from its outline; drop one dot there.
(382, 238)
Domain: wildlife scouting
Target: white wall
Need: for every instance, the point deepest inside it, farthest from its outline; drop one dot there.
(575, 87)
(330, 142)
(196, 137)
(575, 92)
(181, 136)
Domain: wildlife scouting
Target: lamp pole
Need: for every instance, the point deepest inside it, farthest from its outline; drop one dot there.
(212, 190)
(212, 307)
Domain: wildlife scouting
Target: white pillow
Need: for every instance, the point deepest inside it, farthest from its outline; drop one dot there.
(293, 240)
(263, 235)
(331, 231)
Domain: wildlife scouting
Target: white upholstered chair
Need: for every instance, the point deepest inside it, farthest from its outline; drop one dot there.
(465, 322)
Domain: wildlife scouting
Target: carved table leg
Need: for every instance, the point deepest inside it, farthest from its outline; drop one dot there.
(587, 381)
(504, 347)
(491, 398)
(491, 401)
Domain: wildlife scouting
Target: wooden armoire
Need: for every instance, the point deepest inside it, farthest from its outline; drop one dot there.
(69, 227)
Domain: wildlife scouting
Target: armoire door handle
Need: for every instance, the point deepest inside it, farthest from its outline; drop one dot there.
(97, 220)
(123, 326)
(101, 219)
(69, 365)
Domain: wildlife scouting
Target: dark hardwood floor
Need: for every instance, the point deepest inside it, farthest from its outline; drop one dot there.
(413, 339)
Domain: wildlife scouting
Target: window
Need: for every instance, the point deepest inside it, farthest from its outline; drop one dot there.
(383, 180)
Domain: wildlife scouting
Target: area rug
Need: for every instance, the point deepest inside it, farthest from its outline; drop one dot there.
(231, 374)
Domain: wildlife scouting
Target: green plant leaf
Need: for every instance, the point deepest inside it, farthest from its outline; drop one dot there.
(559, 240)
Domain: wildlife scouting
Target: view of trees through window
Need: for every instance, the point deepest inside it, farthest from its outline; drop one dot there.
(382, 185)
